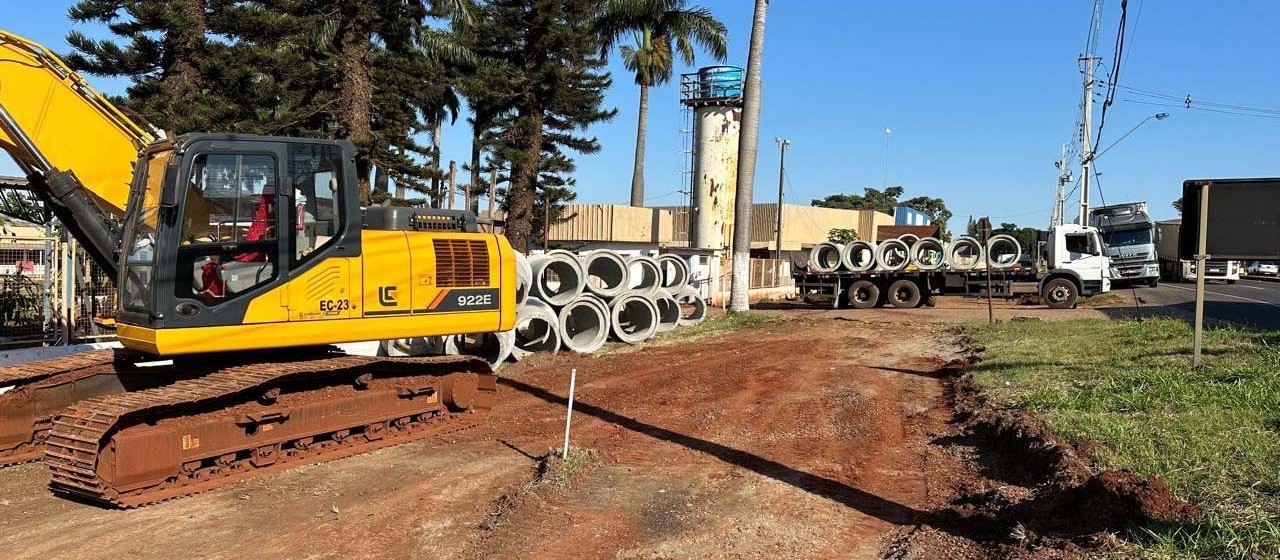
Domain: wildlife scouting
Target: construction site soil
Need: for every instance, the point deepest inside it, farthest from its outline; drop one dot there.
(826, 434)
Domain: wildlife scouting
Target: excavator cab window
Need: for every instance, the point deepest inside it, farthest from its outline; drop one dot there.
(315, 170)
(140, 235)
(228, 240)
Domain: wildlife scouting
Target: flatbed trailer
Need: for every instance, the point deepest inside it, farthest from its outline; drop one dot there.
(913, 288)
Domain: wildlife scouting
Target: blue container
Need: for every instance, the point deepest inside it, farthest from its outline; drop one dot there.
(717, 82)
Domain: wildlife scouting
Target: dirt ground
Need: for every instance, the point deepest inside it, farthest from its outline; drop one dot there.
(828, 434)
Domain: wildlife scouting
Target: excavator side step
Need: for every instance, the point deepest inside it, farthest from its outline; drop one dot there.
(138, 448)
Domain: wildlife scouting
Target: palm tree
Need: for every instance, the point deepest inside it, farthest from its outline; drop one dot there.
(660, 28)
(747, 145)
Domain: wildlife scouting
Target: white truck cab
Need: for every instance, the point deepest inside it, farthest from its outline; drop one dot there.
(1075, 265)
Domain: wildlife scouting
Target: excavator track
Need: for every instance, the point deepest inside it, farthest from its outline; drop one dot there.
(137, 448)
(32, 393)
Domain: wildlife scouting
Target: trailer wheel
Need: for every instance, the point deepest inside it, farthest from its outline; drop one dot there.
(1153, 282)
(904, 294)
(1060, 293)
(864, 294)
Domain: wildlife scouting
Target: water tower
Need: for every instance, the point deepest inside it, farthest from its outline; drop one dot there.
(714, 94)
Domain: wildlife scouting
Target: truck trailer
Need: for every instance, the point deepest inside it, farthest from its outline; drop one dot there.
(1067, 264)
(1174, 269)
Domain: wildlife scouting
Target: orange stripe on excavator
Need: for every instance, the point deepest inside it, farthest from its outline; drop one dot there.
(439, 298)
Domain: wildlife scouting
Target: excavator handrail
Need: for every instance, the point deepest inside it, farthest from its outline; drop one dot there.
(77, 83)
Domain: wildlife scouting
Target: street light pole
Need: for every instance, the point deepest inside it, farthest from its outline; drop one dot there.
(1157, 116)
(783, 144)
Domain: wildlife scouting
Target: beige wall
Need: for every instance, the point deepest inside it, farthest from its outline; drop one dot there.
(802, 226)
(615, 223)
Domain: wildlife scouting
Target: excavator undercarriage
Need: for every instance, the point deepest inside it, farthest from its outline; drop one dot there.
(202, 425)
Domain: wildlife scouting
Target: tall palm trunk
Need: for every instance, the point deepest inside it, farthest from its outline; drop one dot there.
(748, 143)
(637, 174)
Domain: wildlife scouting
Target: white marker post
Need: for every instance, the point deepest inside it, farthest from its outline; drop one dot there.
(568, 416)
(1202, 264)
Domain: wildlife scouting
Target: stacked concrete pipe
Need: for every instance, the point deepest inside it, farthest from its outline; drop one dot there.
(645, 275)
(584, 325)
(607, 273)
(493, 347)
(965, 253)
(893, 255)
(537, 329)
(1004, 251)
(668, 310)
(825, 257)
(558, 277)
(674, 270)
(928, 254)
(693, 309)
(858, 256)
(633, 318)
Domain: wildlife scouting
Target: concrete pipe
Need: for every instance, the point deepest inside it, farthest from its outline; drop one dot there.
(965, 253)
(693, 309)
(668, 310)
(675, 271)
(524, 278)
(645, 274)
(859, 256)
(928, 254)
(909, 238)
(493, 347)
(415, 346)
(584, 326)
(607, 273)
(893, 254)
(825, 256)
(537, 329)
(1003, 250)
(633, 319)
(558, 277)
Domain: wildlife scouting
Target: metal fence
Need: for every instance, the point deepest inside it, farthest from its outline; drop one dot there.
(52, 293)
(770, 273)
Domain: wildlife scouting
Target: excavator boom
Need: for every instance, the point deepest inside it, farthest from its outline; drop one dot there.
(76, 147)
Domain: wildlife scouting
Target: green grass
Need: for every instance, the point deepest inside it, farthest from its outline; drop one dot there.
(1213, 434)
(559, 471)
(718, 324)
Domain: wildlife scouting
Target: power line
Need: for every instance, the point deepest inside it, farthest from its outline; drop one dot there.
(1188, 99)
(1134, 33)
(1193, 108)
(1114, 76)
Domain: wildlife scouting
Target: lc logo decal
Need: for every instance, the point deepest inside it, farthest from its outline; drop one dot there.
(387, 296)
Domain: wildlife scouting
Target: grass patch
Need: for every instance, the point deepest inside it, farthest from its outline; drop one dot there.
(1113, 298)
(558, 471)
(719, 324)
(1213, 434)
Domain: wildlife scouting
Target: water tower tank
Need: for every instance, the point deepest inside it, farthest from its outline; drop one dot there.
(715, 95)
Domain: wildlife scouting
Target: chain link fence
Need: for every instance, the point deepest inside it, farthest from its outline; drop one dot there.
(52, 293)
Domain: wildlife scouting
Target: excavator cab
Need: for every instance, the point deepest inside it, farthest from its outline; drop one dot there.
(215, 221)
(229, 236)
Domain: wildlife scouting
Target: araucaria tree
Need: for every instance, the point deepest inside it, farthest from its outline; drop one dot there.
(552, 89)
(660, 30)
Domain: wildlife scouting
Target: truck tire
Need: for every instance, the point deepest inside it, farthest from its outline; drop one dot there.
(864, 294)
(1060, 293)
(904, 294)
(1153, 282)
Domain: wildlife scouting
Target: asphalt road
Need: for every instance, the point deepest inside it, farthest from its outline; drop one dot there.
(1251, 303)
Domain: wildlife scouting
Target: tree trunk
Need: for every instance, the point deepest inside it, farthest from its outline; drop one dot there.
(524, 184)
(476, 178)
(637, 173)
(355, 98)
(747, 145)
(437, 180)
(180, 81)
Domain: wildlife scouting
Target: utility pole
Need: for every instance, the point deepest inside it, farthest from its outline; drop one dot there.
(1086, 150)
(1064, 177)
(783, 144)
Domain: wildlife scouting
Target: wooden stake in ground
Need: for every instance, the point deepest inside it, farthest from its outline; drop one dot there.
(568, 415)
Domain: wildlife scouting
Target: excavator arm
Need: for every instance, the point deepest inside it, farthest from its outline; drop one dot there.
(77, 149)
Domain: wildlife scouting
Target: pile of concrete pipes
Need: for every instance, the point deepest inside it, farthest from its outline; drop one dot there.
(577, 302)
(909, 251)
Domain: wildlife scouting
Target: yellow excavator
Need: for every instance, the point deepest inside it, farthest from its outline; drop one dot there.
(240, 260)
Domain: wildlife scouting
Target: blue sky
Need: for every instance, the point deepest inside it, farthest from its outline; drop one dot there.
(979, 95)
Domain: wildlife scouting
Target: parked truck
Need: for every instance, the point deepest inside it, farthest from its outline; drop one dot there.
(1177, 270)
(1068, 262)
(1129, 235)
